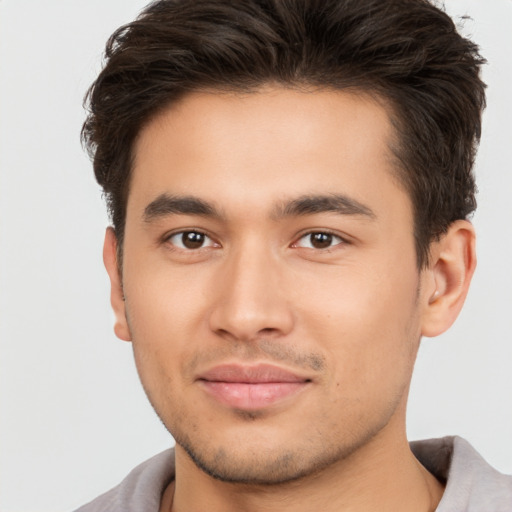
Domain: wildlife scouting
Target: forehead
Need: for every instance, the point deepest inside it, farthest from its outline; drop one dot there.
(258, 148)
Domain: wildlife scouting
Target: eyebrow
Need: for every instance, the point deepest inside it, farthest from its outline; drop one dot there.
(312, 204)
(165, 205)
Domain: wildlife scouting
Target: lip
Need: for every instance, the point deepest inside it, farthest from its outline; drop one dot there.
(251, 387)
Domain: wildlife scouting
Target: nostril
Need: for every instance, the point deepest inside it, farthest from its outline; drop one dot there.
(267, 330)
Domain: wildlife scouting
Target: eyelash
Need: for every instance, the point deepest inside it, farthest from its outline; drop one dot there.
(168, 239)
(333, 236)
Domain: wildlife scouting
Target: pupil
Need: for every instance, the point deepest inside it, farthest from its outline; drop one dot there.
(321, 240)
(192, 240)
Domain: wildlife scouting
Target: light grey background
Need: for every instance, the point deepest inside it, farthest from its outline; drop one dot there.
(73, 417)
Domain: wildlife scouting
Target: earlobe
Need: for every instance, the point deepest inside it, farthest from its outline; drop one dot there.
(121, 327)
(453, 262)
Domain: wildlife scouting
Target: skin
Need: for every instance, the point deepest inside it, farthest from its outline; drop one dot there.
(347, 315)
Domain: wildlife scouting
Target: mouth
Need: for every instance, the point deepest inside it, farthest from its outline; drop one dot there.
(251, 387)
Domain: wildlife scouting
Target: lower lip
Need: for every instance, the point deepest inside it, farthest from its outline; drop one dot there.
(252, 396)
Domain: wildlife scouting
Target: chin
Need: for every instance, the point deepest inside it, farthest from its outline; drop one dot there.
(262, 468)
(267, 460)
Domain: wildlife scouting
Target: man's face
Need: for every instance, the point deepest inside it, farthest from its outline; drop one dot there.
(270, 280)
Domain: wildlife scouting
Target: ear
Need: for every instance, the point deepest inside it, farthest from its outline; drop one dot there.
(121, 328)
(452, 264)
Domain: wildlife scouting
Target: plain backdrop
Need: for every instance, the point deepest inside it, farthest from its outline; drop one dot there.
(73, 418)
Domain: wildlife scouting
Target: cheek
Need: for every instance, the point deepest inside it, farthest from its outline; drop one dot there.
(164, 315)
(368, 323)
(162, 305)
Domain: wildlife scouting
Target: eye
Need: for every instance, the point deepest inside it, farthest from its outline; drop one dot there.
(318, 240)
(190, 240)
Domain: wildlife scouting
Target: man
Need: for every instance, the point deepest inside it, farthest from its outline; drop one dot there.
(289, 184)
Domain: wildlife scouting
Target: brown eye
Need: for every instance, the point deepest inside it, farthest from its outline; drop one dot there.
(190, 240)
(319, 240)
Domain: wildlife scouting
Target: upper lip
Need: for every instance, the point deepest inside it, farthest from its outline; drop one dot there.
(250, 374)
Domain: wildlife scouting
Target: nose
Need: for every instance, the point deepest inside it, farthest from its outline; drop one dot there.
(252, 299)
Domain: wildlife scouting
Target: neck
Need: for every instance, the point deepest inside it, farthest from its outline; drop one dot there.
(383, 475)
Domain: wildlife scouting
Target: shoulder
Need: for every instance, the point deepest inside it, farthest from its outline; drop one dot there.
(140, 490)
(472, 484)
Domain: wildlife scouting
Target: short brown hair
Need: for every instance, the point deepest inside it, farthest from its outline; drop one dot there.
(407, 52)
